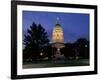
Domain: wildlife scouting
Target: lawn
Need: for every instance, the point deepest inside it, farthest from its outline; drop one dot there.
(58, 63)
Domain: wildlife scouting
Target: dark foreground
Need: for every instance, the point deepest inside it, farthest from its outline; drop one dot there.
(57, 63)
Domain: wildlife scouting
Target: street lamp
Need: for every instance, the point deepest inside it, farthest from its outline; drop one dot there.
(41, 53)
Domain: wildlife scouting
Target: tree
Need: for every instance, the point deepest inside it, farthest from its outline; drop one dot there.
(68, 50)
(34, 40)
(48, 51)
(82, 48)
(76, 50)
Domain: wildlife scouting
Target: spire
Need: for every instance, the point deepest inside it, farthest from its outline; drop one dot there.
(57, 22)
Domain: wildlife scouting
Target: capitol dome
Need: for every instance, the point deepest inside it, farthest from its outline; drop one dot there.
(57, 35)
(58, 40)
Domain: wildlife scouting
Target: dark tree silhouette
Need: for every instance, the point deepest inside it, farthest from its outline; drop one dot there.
(47, 50)
(34, 40)
(82, 48)
(76, 50)
(68, 50)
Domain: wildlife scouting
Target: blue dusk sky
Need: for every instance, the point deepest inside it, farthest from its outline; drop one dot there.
(74, 25)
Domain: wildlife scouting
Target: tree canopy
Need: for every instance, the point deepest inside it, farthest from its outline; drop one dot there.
(34, 40)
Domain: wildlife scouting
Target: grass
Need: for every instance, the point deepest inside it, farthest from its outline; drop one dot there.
(58, 63)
